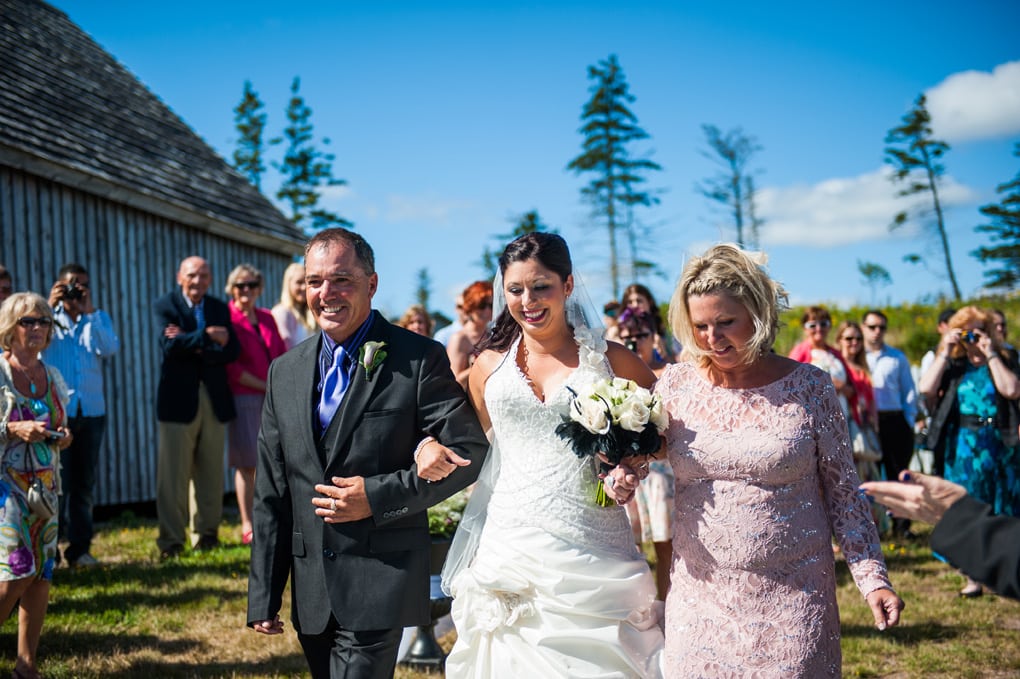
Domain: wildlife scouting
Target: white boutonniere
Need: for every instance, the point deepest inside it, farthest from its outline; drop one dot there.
(371, 356)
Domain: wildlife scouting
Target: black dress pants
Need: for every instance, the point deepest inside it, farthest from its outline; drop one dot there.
(338, 653)
(897, 439)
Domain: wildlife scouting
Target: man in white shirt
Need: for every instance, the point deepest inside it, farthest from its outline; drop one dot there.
(895, 398)
(83, 338)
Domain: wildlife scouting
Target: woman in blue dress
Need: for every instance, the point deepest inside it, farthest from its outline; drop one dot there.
(975, 384)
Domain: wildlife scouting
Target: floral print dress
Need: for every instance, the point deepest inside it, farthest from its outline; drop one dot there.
(28, 545)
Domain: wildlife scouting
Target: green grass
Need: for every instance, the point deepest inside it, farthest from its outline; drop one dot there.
(135, 617)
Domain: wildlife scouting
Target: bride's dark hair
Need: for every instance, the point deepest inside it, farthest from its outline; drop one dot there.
(552, 252)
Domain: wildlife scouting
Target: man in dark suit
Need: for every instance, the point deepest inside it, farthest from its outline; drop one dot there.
(339, 506)
(193, 402)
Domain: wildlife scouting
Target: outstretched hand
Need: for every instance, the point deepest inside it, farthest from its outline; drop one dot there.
(916, 496)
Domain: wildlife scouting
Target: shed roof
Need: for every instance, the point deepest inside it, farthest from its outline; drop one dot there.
(71, 112)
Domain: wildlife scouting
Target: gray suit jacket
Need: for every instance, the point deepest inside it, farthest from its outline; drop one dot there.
(371, 574)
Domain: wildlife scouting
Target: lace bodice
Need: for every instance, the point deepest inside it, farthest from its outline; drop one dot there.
(542, 483)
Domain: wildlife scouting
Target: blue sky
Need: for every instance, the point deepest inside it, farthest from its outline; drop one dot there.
(450, 118)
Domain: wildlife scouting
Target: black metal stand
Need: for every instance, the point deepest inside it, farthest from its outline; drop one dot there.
(425, 653)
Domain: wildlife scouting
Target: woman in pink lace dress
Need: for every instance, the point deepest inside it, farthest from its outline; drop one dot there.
(764, 477)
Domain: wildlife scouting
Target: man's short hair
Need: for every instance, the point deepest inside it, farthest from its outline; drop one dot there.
(336, 236)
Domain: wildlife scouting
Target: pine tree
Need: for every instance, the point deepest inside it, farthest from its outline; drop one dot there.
(1005, 228)
(915, 155)
(609, 129)
(732, 185)
(305, 168)
(423, 291)
(250, 122)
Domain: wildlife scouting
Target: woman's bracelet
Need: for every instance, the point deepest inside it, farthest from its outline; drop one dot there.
(421, 446)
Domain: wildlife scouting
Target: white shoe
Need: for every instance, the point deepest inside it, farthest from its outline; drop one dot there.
(86, 560)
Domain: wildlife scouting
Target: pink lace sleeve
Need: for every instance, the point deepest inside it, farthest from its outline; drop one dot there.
(848, 508)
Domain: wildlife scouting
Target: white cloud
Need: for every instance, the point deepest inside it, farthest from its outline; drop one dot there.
(976, 104)
(842, 211)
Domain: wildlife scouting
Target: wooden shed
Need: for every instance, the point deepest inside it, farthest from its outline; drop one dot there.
(96, 169)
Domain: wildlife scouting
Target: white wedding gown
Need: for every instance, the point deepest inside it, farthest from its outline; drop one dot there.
(557, 587)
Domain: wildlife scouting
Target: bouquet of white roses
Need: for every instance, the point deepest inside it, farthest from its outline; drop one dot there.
(614, 417)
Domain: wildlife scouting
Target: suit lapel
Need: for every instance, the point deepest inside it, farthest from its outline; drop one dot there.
(187, 315)
(359, 393)
(304, 389)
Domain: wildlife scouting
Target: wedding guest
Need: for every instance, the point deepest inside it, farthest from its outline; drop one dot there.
(444, 334)
(554, 585)
(864, 412)
(294, 320)
(1002, 327)
(462, 347)
(193, 405)
(33, 405)
(981, 543)
(975, 386)
(260, 343)
(764, 477)
(895, 398)
(83, 339)
(928, 405)
(816, 350)
(416, 319)
(651, 510)
(640, 299)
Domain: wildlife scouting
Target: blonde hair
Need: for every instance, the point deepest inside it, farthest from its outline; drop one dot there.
(17, 305)
(238, 272)
(416, 310)
(298, 309)
(741, 275)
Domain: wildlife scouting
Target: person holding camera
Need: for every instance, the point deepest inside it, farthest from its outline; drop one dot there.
(83, 337)
(974, 385)
(33, 417)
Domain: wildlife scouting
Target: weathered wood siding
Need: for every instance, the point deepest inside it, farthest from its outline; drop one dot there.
(132, 259)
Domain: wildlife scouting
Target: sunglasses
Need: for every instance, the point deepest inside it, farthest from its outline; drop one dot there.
(852, 338)
(876, 327)
(637, 336)
(248, 285)
(32, 322)
(811, 325)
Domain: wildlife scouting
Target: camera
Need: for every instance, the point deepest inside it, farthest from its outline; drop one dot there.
(970, 337)
(72, 293)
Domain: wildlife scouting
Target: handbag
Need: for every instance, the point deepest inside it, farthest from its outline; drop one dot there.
(865, 444)
(41, 500)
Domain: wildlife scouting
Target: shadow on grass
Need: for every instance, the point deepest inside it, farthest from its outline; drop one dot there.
(910, 635)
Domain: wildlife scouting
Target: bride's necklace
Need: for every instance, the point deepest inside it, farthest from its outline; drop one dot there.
(527, 376)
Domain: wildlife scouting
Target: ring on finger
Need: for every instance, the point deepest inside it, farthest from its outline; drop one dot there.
(332, 503)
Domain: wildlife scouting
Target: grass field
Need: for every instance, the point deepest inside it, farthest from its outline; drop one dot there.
(136, 618)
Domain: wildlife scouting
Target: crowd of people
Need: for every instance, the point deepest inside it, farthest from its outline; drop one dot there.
(342, 428)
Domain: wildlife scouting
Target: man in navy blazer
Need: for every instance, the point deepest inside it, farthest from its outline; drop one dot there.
(339, 507)
(193, 401)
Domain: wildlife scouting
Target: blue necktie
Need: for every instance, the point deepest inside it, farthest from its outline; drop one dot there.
(334, 385)
(199, 316)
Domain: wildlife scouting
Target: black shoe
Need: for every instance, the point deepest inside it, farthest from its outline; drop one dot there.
(171, 552)
(207, 542)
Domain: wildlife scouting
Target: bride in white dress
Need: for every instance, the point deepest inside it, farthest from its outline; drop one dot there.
(546, 583)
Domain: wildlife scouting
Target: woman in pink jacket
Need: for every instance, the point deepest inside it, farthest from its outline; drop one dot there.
(260, 344)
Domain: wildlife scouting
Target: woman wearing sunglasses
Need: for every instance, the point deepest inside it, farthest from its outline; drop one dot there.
(816, 350)
(260, 342)
(33, 419)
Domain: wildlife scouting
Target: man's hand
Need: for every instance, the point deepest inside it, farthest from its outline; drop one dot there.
(916, 496)
(436, 461)
(344, 501)
(171, 331)
(274, 626)
(218, 334)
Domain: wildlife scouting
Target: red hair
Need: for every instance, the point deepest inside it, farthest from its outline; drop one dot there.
(477, 295)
